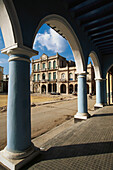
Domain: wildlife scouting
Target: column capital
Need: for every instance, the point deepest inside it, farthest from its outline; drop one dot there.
(19, 49)
(101, 79)
(84, 73)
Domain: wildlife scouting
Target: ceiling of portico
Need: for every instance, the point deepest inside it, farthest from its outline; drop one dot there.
(96, 18)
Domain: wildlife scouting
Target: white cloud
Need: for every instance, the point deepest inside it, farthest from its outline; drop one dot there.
(51, 40)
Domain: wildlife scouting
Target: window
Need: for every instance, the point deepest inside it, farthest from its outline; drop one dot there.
(54, 64)
(43, 65)
(75, 76)
(34, 67)
(38, 67)
(34, 77)
(49, 76)
(49, 65)
(43, 76)
(63, 76)
(54, 75)
(70, 76)
(38, 77)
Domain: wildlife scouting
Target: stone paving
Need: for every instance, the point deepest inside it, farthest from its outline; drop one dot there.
(86, 145)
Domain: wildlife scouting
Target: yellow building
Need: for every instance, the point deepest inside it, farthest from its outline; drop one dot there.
(56, 74)
(1, 79)
(109, 86)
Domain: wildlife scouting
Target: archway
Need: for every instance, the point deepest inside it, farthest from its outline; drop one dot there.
(109, 85)
(76, 87)
(71, 88)
(43, 76)
(96, 65)
(44, 89)
(61, 25)
(94, 78)
(49, 88)
(63, 88)
(9, 24)
(54, 87)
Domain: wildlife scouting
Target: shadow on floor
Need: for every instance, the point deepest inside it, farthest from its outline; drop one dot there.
(70, 151)
(100, 115)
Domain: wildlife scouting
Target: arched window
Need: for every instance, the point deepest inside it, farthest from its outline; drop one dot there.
(54, 75)
(34, 77)
(43, 76)
(63, 76)
(49, 76)
(75, 76)
(38, 77)
(54, 64)
(49, 65)
(34, 67)
(43, 65)
(38, 67)
(70, 76)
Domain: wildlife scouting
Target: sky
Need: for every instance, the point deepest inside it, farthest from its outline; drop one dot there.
(46, 41)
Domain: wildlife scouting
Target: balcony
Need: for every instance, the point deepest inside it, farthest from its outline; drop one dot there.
(35, 71)
(53, 80)
(36, 81)
(53, 68)
(63, 80)
(44, 69)
(43, 81)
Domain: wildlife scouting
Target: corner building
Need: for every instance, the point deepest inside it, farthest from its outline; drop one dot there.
(56, 74)
(1, 79)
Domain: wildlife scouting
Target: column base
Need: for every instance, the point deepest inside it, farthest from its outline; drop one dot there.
(15, 164)
(82, 116)
(98, 105)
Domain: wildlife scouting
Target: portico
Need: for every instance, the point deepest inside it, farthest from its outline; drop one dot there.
(87, 28)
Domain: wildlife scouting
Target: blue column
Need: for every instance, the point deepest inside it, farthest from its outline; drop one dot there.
(82, 98)
(101, 98)
(99, 102)
(18, 111)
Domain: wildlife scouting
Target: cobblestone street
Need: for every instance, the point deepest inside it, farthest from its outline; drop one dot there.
(86, 145)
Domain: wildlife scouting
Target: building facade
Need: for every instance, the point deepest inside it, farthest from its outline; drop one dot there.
(5, 82)
(56, 74)
(1, 79)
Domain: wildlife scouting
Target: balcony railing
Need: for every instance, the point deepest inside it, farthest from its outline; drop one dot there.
(63, 80)
(44, 80)
(52, 68)
(52, 80)
(43, 69)
(36, 81)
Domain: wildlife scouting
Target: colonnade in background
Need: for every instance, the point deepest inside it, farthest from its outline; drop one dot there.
(19, 143)
(109, 78)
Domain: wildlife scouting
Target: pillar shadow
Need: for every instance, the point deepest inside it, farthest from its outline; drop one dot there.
(103, 114)
(70, 151)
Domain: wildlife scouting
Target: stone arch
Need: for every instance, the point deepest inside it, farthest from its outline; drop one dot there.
(49, 87)
(76, 87)
(43, 89)
(63, 88)
(9, 24)
(96, 64)
(109, 68)
(71, 88)
(65, 28)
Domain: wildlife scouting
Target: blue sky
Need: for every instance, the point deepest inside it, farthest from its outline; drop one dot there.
(46, 41)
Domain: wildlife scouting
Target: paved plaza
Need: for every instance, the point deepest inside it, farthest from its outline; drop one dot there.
(85, 145)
